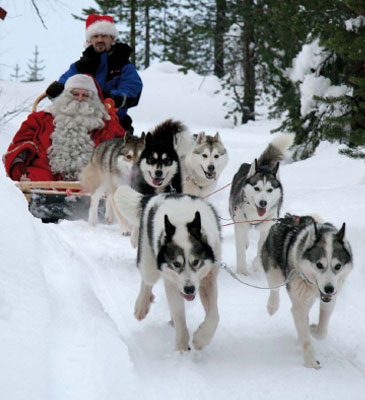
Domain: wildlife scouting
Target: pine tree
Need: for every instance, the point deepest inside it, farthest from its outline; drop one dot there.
(35, 67)
(16, 76)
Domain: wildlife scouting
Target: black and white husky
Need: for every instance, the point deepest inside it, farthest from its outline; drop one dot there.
(179, 241)
(158, 169)
(316, 258)
(257, 195)
(203, 158)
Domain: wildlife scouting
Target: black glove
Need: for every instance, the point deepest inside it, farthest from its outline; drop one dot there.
(54, 89)
(89, 61)
(109, 95)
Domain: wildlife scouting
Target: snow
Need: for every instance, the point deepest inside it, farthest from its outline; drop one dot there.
(306, 68)
(67, 290)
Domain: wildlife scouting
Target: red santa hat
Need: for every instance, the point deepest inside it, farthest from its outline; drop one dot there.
(100, 24)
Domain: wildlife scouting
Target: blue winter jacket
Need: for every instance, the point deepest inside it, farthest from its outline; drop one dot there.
(116, 75)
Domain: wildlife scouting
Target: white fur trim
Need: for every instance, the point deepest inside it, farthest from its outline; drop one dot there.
(101, 27)
(80, 81)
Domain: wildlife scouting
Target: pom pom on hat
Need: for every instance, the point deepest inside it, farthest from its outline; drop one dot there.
(81, 81)
(100, 24)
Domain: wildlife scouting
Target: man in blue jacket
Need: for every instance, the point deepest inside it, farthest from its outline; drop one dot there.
(109, 63)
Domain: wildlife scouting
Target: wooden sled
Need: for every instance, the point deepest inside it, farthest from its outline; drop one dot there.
(55, 200)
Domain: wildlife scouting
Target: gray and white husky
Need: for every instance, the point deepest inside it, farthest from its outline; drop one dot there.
(109, 167)
(256, 196)
(203, 158)
(179, 240)
(317, 258)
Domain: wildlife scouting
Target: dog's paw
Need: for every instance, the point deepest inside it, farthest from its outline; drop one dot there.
(310, 360)
(142, 307)
(273, 303)
(242, 269)
(312, 363)
(316, 332)
(202, 337)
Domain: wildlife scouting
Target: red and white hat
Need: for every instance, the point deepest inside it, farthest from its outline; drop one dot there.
(100, 24)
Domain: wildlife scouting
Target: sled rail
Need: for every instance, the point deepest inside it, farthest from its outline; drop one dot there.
(50, 188)
(37, 101)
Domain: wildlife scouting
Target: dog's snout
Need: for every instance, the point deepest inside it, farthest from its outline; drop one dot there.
(189, 289)
(158, 173)
(211, 168)
(263, 203)
(329, 289)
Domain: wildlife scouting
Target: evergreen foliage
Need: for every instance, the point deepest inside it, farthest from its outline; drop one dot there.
(35, 67)
(251, 46)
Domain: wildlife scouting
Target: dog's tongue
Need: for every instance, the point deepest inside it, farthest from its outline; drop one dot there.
(188, 297)
(261, 211)
(157, 181)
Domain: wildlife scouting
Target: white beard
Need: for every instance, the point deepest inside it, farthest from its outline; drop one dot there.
(72, 145)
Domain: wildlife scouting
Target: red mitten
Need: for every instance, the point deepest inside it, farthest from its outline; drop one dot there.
(17, 171)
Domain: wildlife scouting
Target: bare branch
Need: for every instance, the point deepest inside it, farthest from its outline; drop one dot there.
(38, 13)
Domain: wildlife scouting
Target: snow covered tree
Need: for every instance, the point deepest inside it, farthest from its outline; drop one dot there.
(35, 67)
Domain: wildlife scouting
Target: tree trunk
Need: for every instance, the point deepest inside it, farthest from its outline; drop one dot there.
(248, 65)
(133, 30)
(147, 38)
(220, 27)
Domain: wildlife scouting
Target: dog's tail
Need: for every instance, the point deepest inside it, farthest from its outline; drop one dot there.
(168, 129)
(127, 202)
(274, 152)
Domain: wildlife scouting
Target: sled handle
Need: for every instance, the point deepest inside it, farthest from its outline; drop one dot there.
(37, 101)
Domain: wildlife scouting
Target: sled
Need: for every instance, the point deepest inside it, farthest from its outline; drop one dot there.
(54, 200)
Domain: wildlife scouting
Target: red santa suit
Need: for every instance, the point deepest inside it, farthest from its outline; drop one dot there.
(33, 140)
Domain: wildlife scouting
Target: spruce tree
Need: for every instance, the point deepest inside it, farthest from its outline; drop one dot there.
(16, 76)
(35, 67)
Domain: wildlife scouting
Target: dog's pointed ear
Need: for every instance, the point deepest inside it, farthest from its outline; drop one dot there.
(169, 229)
(253, 169)
(275, 169)
(194, 227)
(148, 138)
(217, 138)
(341, 233)
(143, 136)
(200, 138)
(127, 136)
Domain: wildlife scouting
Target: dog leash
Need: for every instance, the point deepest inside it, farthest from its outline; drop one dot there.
(291, 275)
(216, 191)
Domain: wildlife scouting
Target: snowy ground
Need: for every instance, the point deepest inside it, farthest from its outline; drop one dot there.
(67, 291)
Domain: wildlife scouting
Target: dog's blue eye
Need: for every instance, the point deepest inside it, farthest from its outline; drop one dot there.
(338, 267)
(167, 161)
(319, 265)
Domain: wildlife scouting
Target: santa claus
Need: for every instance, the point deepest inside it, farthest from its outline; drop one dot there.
(57, 143)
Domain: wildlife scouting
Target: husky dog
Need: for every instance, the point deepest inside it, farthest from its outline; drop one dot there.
(158, 169)
(203, 158)
(257, 195)
(179, 241)
(320, 258)
(109, 167)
